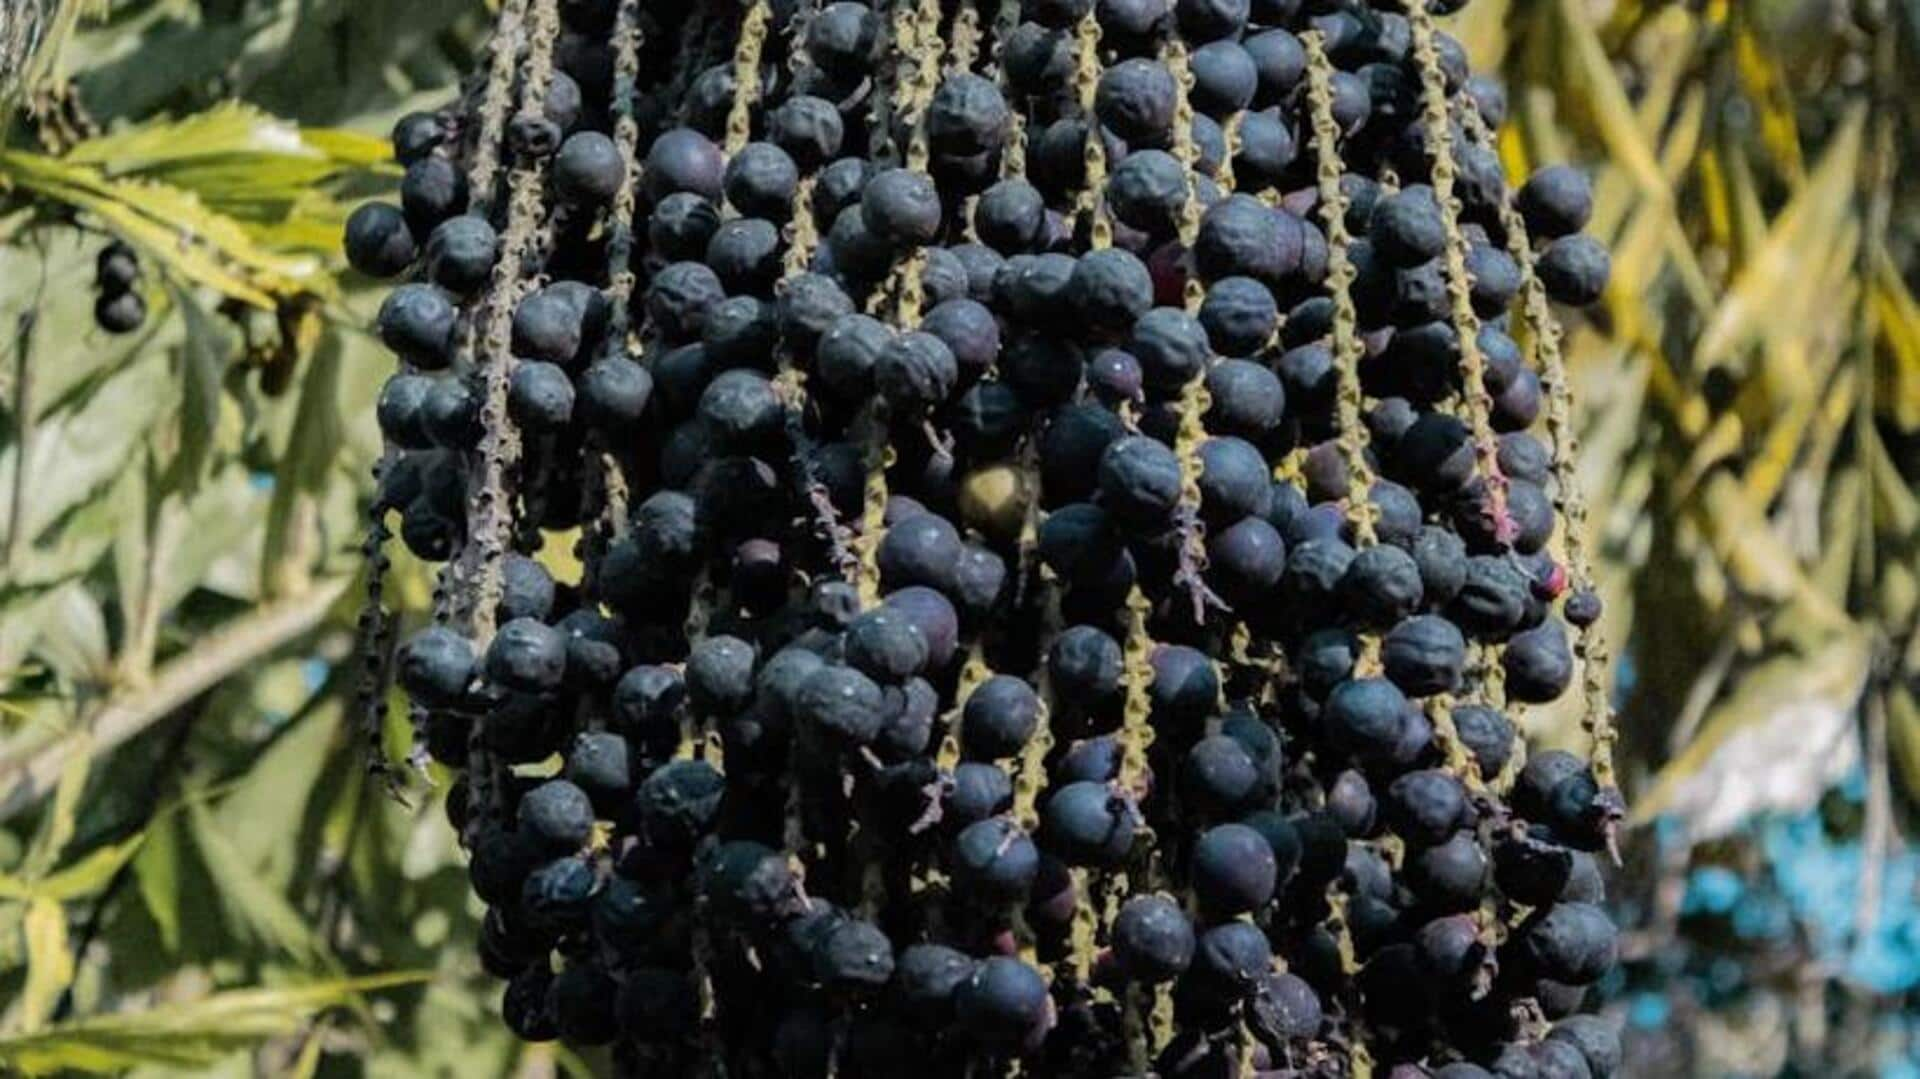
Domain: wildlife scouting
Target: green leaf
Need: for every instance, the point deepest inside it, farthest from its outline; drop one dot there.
(75, 456)
(157, 871)
(91, 873)
(312, 449)
(194, 1034)
(230, 129)
(172, 228)
(49, 962)
(1777, 276)
(202, 363)
(255, 904)
(58, 826)
(268, 802)
(73, 635)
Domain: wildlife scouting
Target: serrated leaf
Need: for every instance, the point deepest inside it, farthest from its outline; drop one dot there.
(172, 228)
(228, 129)
(194, 1034)
(49, 962)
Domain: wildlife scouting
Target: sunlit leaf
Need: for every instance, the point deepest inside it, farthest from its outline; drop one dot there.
(266, 804)
(1777, 275)
(1903, 736)
(49, 962)
(227, 130)
(1781, 736)
(91, 873)
(1760, 71)
(57, 827)
(1897, 387)
(184, 1035)
(312, 449)
(170, 226)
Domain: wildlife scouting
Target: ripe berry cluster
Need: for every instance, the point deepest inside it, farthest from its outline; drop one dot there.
(118, 306)
(1066, 529)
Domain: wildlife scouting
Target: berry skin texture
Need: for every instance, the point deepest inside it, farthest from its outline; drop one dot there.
(761, 180)
(683, 160)
(119, 314)
(1153, 939)
(1233, 870)
(1085, 824)
(527, 655)
(1406, 228)
(999, 717)
(557, 815)
(808, 128)
(117, 267)
(415, 135)
(378, 241)
(1135, 98)
(902, 207)
(1146, 190)
(436, 664)
(1556, 201)
(433, 190)
(1002, 1003)
(460, 253)
(588, 170)
(967, 116)
(994, 858)
(540, 397)
(1172, 348)
(843, 705)
(1575, 269)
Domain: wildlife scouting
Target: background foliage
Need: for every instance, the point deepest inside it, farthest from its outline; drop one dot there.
(196, 876)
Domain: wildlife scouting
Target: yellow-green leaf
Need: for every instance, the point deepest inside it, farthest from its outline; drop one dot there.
(58, 826)
(49, 962)
(1778, 273)
(171, 227)
(1767, 91)
(157, 871)
(91, 873)
(194, 1034)
(1897, 389)
(228, 129)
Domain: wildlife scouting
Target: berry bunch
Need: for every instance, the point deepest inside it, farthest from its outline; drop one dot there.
(1067, 534)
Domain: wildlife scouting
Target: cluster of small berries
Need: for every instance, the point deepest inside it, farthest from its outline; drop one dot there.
(1067, 532)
